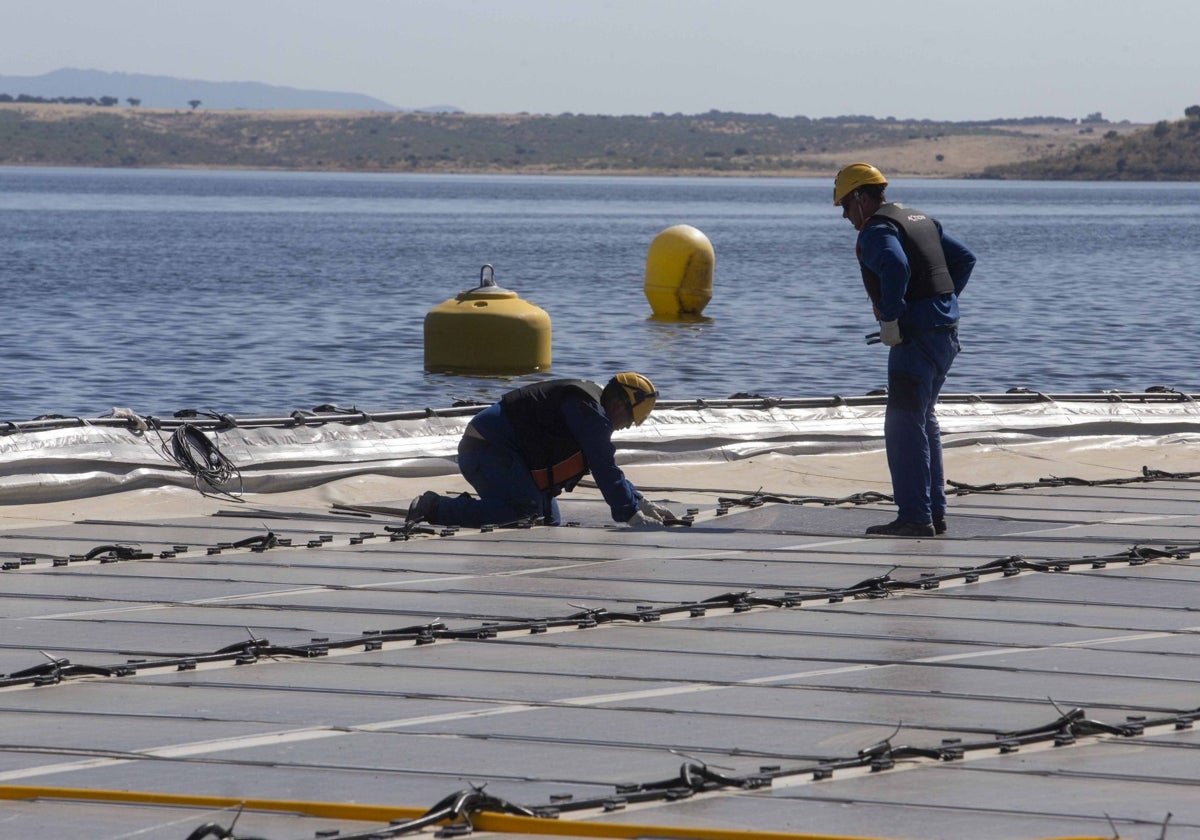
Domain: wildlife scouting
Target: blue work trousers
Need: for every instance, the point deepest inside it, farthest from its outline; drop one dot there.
(506, 490)
(917, 370)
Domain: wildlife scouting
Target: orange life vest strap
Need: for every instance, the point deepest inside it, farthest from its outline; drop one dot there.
(563, 470)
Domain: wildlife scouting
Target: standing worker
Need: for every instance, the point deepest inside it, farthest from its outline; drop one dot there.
(914, 274)
(540, 440)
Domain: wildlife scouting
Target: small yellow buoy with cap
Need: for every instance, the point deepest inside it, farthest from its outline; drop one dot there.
(679, 272)
(487, 330)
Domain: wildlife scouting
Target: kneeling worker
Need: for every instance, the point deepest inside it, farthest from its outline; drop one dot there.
(540, 440)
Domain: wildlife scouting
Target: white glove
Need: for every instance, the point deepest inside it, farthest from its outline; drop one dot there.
(641, 520)
(889, 333)
(654, 511)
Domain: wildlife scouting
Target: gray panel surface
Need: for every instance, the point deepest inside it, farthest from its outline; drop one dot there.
(569, 709)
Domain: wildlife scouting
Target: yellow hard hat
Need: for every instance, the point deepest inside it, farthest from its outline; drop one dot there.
(640, 392)
(854, 176)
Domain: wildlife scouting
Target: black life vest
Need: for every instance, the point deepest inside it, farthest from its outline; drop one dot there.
(554, 456)
(922, 243)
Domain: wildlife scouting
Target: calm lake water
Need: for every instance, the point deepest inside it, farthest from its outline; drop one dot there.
(264, 292)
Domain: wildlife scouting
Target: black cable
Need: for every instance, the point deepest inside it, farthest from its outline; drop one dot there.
(192, 450)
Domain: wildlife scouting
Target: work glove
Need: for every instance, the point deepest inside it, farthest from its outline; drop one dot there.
(641, 520)
(654, 511)
(889, 333)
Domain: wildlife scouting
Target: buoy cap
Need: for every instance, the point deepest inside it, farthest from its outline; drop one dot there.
(487, 287)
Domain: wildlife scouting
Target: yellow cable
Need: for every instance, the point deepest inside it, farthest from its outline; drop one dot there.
(490, 821)
(332, 810)
(483, 821)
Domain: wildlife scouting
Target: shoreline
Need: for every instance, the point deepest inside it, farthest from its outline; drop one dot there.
(709, 146)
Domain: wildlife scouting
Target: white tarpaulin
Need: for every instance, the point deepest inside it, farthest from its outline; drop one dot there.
(87, 458)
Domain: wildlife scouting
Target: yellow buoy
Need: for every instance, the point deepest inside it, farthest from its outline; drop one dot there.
(679, 272)
(487, 330)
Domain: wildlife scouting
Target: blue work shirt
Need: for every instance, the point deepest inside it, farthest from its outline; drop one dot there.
(881, 249)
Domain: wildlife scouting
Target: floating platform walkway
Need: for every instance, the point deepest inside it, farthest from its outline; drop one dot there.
(258, 645)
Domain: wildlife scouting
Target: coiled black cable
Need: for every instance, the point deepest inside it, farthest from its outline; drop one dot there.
(192, 450)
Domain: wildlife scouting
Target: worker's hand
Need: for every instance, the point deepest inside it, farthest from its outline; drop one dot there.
(641, 520)
(889, 333)
(654, 511)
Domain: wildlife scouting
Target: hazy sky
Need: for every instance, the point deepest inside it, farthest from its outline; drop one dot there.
(940, 59)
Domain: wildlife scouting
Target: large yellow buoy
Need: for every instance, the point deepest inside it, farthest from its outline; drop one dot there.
(487, 330)
(679, 272)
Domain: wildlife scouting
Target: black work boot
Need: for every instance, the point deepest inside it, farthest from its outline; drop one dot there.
(423, 508)
(939, 525)
(900, 528)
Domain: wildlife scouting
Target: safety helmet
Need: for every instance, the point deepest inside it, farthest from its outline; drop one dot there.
(639, 393)
(854, 176)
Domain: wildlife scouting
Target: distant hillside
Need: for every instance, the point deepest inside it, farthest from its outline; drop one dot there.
(1167, 151)
(169, 92)
(711, 143)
